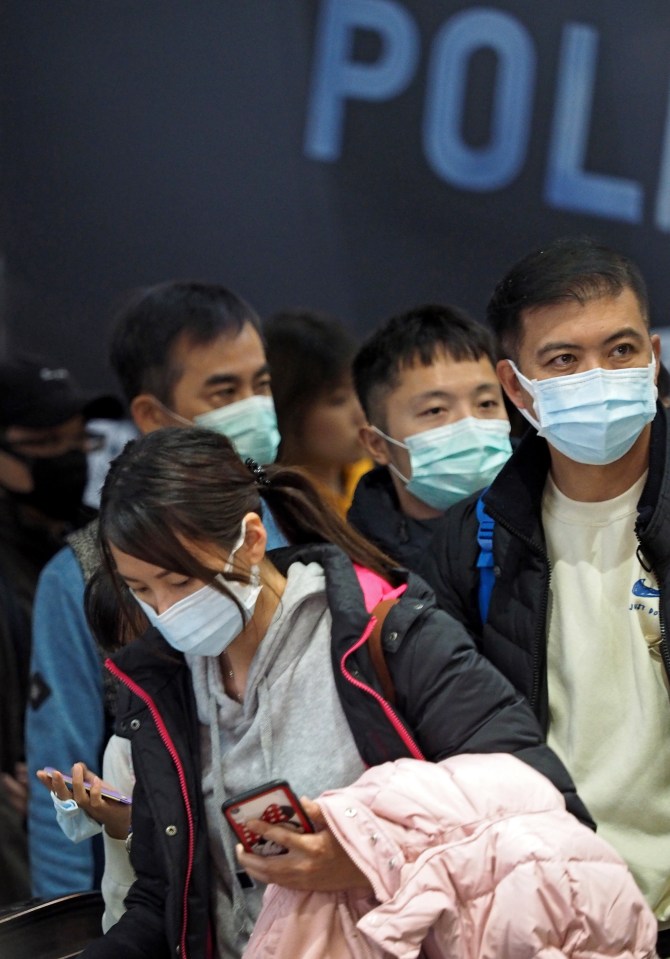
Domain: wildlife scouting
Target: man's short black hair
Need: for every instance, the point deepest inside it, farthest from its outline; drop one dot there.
(568, 269)
(415, 337)
(149, 324)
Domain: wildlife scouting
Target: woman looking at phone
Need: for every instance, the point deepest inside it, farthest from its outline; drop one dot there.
(248, 667)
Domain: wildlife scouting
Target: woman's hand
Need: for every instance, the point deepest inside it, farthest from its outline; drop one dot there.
(114, 816)
(314, 861)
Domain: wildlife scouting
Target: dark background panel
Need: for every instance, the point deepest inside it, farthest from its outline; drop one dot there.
(149, 139)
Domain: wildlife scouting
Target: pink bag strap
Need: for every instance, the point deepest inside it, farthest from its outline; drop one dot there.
(380, 598)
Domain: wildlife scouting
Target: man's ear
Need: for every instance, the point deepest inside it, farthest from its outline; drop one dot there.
(656, 347)
(510, 384)
(375, 445)
(149, 414)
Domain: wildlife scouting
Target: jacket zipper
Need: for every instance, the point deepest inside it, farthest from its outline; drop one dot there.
(388, 710)
(174, 755)
(542, 621)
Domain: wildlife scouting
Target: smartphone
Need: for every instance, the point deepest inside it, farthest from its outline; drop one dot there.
(274, 802)
(107, 793)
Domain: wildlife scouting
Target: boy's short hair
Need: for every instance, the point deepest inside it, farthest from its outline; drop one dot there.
(568, 269)
(417, 336)
(151, 321)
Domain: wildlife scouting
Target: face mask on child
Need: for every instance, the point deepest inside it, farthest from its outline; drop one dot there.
(206, 622)
(592, 417)
(452, 461)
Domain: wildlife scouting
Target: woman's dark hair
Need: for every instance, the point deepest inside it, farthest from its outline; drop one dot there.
(309, 354)
(177, 486)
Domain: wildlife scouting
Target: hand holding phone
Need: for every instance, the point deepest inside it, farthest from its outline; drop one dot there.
(315, 863)
(274, 802)
(107, 791)
(98, 799)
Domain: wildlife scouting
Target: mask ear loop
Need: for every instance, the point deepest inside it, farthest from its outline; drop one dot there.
(175, 416)
(254, 571)
(528, 385)
(404, 446)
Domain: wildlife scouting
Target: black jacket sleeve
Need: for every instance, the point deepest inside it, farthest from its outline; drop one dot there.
(455, 701)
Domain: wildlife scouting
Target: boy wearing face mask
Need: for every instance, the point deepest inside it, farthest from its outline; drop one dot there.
(437, 426)
(43, 467)
(184, 353)
(581, 542)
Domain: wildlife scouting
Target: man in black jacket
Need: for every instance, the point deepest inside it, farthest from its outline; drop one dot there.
(437, 426)
(581, 542)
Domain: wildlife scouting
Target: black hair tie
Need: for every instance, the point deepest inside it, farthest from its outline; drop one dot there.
(257, 471)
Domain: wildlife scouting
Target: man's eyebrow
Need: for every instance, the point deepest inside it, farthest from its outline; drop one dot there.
(229, 379)
(483, 387)
(629, 331)
(433, 395)
(446, 395)
(221, 379)
(557, 346)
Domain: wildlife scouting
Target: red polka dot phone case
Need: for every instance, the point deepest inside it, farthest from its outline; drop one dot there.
(274, 802)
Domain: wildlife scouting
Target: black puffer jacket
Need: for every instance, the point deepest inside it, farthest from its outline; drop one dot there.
(448, 697)
(375, 512)
(514, 637)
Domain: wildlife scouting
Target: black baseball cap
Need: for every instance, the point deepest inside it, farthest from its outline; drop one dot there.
(37, 393)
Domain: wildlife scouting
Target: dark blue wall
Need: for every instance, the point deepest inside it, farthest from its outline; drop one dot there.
(357, 156)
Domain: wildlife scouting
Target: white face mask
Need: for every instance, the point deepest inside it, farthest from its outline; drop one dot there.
(592, 417)
(206, 622)
(450, 462)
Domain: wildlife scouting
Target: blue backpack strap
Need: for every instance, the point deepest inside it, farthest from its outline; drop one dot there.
(485, 558)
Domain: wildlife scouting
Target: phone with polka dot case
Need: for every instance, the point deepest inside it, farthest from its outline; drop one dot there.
(274, 802)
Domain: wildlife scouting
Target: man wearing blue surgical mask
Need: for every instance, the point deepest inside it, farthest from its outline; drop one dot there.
(581, 542)
(184, 353)
(437, 425)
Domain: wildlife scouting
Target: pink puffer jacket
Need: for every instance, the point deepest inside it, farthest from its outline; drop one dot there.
(471, 858)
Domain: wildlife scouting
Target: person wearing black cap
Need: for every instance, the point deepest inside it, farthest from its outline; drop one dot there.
(44, 441)
(43, 447)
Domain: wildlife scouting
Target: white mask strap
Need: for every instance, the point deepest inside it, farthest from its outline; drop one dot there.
(175, 416)
(239, 542)
(388, 438)
(528, 386)
(404, 446)
(254, 572)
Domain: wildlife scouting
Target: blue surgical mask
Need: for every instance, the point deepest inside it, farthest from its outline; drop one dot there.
(250, 425)
(206, 622)
(450, 462)
(592, 417)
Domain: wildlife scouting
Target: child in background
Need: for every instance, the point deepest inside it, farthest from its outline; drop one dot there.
(318, 413)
